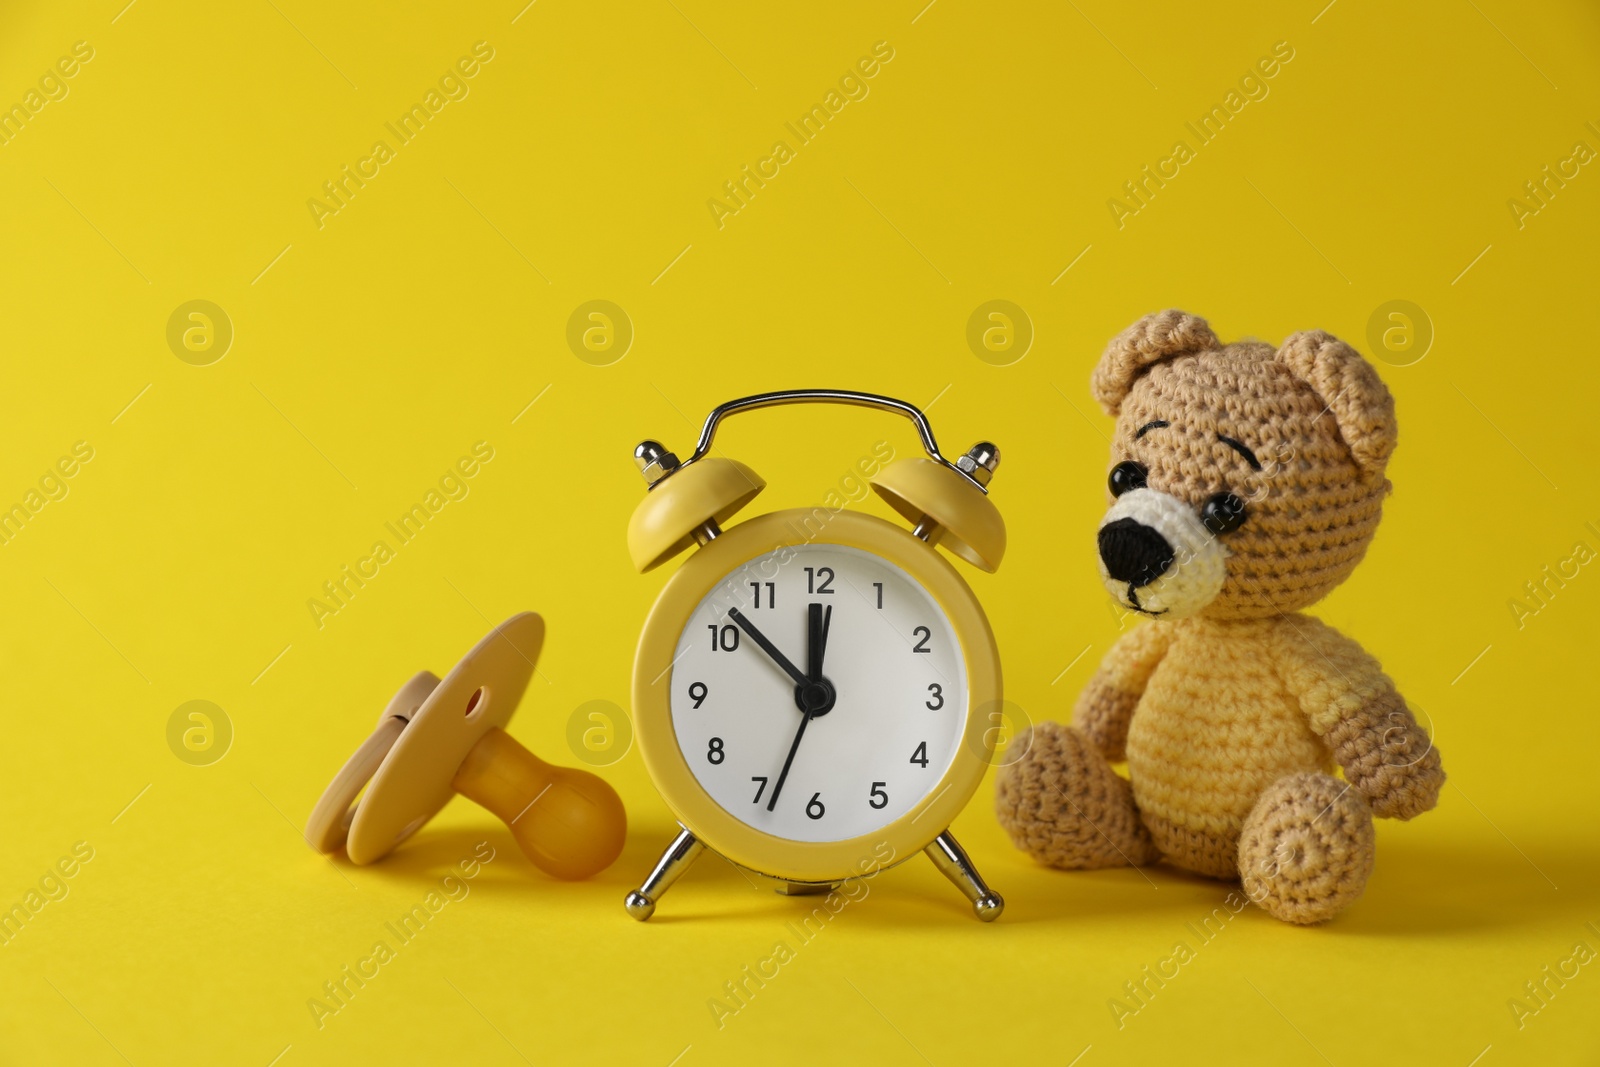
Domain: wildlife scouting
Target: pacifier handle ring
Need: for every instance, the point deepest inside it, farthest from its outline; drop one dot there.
(845, 397)
(330, 820)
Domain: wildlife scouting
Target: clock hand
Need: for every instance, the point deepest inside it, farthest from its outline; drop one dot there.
(818, 622)
(789, 760)
(768, 647)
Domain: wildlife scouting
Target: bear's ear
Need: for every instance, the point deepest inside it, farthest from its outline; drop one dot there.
(1156, 337)
(1355, 395)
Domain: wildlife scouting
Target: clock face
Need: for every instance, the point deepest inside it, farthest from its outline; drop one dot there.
(811, 755)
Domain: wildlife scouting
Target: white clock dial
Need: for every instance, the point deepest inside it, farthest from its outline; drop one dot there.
(884, 723)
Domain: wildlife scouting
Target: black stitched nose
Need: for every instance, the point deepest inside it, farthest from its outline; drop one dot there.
(1133, 552)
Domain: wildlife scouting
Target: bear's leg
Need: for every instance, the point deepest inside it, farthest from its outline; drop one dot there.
(1306, 848)
(1064, 805)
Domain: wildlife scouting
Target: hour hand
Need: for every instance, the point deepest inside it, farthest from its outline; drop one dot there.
(767, 646)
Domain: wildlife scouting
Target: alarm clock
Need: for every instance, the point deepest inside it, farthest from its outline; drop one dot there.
(814, 689)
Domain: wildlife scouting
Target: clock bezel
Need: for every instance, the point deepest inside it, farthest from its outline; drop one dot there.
(724, 833)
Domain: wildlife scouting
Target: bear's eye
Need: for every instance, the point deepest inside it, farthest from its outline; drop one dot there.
(1126, 476)
(1223, 513)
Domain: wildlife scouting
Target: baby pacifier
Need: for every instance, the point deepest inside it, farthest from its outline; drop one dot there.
(439, 738)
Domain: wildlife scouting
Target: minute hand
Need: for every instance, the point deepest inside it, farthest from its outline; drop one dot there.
(768, 647)
(817, 623)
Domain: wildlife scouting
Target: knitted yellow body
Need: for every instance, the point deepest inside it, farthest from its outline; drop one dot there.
(1247, 482)
(1216, 726)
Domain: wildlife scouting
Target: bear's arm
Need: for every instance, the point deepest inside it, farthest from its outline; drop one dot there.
(1106, 704)
(1354, 707)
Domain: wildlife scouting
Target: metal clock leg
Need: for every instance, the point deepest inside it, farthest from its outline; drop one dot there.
(683, 851)
(953, 863)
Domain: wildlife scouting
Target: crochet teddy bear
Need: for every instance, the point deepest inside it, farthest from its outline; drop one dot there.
(1245, 484)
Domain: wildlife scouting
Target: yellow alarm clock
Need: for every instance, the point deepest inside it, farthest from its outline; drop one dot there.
(813, 689)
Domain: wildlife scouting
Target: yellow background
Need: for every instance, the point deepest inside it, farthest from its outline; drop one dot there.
(430, 311)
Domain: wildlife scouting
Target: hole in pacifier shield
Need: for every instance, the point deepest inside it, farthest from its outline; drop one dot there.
(999, 333)
(199, 332)
(199, 733)
(1003, 722)
(1399, 333)
(599, 733)
(599, 333)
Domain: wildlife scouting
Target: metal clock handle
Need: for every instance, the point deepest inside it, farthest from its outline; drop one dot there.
(973, 466)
